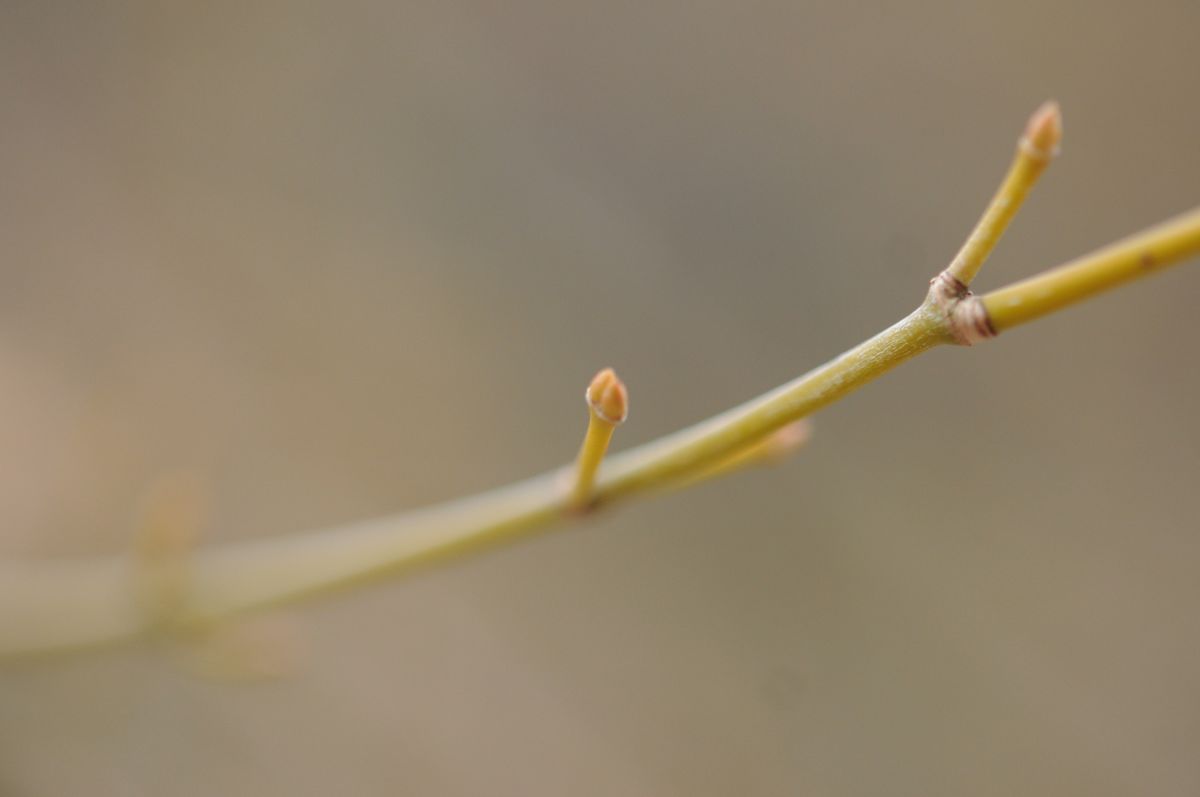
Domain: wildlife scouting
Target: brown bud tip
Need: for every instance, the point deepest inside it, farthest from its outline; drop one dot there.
(1044, 131)
(607, 397)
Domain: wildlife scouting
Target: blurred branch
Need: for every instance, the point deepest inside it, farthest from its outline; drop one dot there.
(54, 606)
(777, 447)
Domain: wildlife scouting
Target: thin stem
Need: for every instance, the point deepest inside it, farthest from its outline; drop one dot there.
(608, 405)
(591, 453)
(773, 449)
(1132, 258)
(1036, 148)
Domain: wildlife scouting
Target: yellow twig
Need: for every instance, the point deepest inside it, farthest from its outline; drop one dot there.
(1131, 258)
(52, 606)
(1037, 147)
(773, 449)
(608, 406)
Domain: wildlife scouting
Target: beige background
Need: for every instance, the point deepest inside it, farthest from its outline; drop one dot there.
(346, 258)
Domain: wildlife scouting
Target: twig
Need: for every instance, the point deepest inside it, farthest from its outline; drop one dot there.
(1036, 148)
(608, 406)
(53, 606)
(777, 447)
(1131, 258)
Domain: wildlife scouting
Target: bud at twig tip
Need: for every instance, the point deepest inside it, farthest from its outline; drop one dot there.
(607, 397)
(1044, 131)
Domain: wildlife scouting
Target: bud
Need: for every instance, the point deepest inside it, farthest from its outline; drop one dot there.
(1044, 131)
(785, 441)
(607, 397)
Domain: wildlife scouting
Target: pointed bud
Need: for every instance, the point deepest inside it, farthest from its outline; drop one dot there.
(607, 397)
(1044, 131)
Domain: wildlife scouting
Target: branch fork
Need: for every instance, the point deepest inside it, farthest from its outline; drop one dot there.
(964, 314)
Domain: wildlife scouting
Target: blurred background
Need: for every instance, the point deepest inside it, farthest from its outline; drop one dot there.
(342, 259)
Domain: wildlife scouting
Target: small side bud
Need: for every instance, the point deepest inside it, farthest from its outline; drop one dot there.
(607, 397)
(774, 449)
(608, 404)
(1044, 132)
(786, 441)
